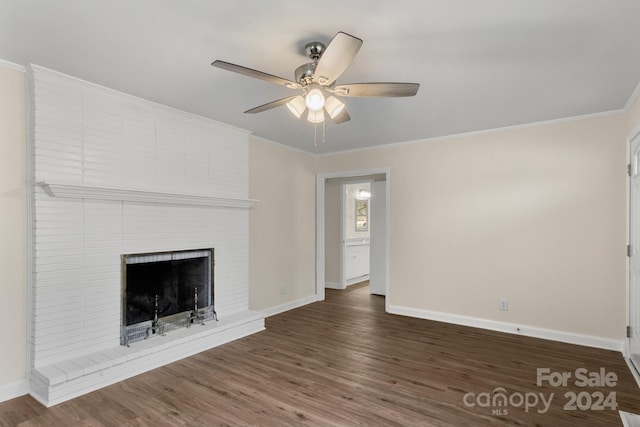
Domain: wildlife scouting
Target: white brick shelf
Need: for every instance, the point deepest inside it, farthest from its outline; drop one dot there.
(56, 383)
(141, 196)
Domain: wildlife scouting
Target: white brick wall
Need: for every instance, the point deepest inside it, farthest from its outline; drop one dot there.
(85, 134)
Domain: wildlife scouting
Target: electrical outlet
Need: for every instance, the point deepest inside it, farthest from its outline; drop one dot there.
(283, 290)
(504, 304)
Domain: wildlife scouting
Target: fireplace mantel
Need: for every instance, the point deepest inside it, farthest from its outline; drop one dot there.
(73, 191)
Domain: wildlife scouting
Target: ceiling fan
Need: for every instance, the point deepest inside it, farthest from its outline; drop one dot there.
(317, 81)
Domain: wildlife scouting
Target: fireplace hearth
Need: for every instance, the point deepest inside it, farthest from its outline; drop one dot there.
(166, 290)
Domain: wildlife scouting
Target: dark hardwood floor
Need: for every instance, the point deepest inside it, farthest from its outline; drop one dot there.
(344, 362)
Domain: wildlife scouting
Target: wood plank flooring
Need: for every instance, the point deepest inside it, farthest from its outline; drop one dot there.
(344, 362)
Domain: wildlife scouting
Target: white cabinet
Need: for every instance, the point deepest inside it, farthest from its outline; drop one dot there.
(356, 260)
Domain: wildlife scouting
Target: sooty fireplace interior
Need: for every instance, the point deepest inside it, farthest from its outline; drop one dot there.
(166, 290)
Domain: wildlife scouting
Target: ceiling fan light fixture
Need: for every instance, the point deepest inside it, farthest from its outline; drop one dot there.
(333, 106)
(315, 100)
(297, 106)
(315, 116)
(316, 82)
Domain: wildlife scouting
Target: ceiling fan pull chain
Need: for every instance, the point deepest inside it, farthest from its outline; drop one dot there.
(323, 132)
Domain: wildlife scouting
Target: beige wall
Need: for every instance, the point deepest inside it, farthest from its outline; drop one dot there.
(332, 235)
(281, 225)
(13, 218)
(533, 214)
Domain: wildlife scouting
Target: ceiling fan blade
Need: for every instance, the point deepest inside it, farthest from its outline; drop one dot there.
(270, 105)
(341, 118)
(377, 89)
(336, 58)
(255, 74)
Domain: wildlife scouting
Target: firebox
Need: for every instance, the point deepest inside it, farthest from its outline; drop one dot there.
(162, 291)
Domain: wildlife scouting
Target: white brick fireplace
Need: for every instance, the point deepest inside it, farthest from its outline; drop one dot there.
(115, 175)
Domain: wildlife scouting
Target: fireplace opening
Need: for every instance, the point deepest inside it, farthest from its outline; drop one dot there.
(166, 290)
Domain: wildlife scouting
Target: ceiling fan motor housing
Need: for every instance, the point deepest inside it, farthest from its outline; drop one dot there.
(314, 50)
(304, 73)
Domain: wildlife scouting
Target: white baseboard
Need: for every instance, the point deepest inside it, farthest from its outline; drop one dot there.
(272, 311)
(333, 285)
(511, 328)
(13, 390)
(356, 280)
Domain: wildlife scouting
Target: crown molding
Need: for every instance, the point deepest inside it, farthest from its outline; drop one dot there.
(632, 98)
(13, 66)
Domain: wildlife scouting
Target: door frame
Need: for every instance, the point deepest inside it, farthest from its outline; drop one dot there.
(320, 226)
(627, 348)
(378, 215)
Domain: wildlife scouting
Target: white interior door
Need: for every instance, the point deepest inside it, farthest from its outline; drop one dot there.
(634, 253)
(378, 220)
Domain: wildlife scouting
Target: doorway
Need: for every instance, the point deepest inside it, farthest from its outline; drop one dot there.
(633, 332)
(330, 246)
(355, 232)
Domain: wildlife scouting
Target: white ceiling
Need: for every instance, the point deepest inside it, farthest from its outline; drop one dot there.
(481, 64)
